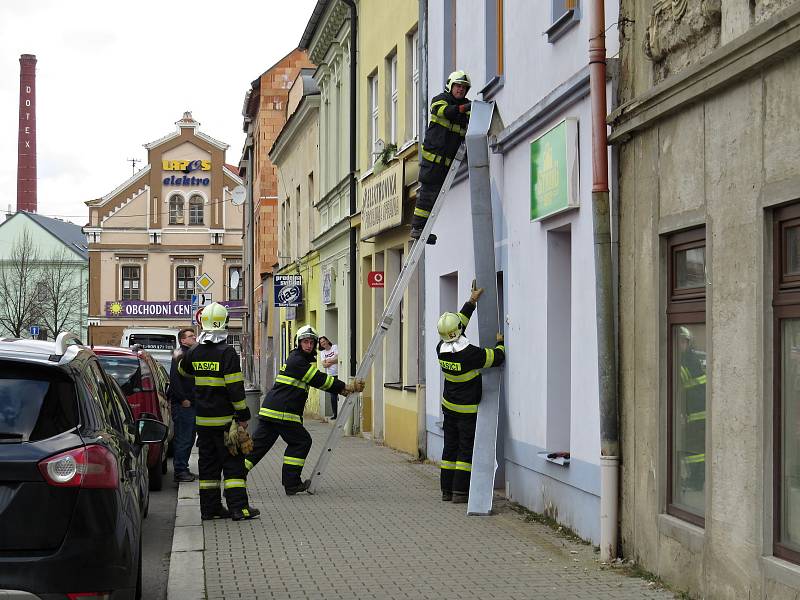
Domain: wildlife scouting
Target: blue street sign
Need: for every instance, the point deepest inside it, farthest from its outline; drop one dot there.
(34, 330)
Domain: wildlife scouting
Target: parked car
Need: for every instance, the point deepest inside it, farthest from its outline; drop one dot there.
(160, 342)
(144, 383)
(73, 478)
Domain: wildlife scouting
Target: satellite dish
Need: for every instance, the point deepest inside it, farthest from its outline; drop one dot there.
(238, 195)
(235, 280)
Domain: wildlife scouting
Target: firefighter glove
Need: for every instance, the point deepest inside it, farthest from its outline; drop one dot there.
(357, 385)
(499, 337)
(462, 108)
(475, 293)
(231, 438)
(244, 440)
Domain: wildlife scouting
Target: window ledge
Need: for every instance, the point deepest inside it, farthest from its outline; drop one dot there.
(409, 388)
(781, 571)
(562, 461)
(393, 385)
(691, 536)
(493, 87)
(563, 24)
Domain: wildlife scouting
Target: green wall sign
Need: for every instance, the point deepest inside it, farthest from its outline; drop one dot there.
(554, 173)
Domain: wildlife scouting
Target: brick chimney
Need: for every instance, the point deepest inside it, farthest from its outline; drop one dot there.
(26, 147)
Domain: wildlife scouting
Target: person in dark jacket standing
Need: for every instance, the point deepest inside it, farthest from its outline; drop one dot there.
(447, 127)
(281, 412)
(181, 395)
(461, 363)
(219, 399)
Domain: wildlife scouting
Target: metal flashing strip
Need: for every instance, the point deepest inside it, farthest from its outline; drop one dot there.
(484, 462)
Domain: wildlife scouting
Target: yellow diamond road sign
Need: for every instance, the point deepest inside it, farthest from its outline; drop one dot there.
(204, 281)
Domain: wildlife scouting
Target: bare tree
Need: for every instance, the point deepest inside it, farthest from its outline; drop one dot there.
(60, 293)
(19, 274)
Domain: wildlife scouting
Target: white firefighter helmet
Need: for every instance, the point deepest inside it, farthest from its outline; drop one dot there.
(457, 77)
(214, 317)
(450, 327)
(306, 332)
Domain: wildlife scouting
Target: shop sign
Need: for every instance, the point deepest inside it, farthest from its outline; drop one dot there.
(186, 167)
(554, 170)
(142, 309)
(382, 201)
(328, 283)
(288, 290)
(375, 279)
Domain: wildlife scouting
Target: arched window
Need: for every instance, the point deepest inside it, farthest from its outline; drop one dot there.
(196, 210)
(176, 209)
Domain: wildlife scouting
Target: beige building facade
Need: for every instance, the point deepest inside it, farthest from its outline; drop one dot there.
(166, 235)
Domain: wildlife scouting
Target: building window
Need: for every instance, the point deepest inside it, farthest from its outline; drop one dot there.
(176, 209)
(196, 210)
(131, 279)
(449, 54)
(391, 67)
(565, 14)
(786, 401)
(493, 47)
(412, 102)
(372, 125)
(686, 381)
(184, 284)
(235, 283)
(311, 202)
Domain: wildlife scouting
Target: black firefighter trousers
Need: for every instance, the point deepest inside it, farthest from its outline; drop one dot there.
(459, 438)
(298, 445)
(214, 461)
(426, 198)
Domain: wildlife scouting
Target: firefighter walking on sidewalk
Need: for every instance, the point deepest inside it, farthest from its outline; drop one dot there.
(219, 400)
(461, 363)
(281, 413)
(447, 127)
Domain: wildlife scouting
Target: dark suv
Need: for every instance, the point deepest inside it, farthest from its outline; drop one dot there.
(73, 479)
(144, 383)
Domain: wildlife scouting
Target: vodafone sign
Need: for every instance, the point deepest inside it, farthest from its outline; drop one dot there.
(375, 279)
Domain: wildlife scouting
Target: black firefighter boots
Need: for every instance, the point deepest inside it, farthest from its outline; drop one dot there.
(244, 513)
(447, 496)
(296, 489)
(459, 498)
(416, 232)
(220, 513)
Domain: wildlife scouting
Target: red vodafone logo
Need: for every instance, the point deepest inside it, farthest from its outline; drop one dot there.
(375, 279)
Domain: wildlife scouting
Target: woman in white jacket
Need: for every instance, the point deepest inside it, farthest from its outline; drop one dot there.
(330, 361)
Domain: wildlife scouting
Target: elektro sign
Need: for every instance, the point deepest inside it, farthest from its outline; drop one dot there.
(186, 167)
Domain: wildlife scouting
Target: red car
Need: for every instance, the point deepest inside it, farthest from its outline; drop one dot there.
(144, 383)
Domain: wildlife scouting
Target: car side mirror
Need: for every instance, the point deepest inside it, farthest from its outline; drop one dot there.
(151, 431)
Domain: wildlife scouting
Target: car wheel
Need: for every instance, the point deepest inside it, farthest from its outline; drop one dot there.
(156, 478)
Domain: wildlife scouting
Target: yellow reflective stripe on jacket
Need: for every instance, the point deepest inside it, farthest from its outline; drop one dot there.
(421, 212)
(435, 158)
(468, 376)
(695, 458)
(464, 319)
(689, 382)
(209, 381)
(328, 383)
(286, 380)
(248, 465)
(489, 358)
(700, 415)
(276, 414)
(438, 107)
(312, 370)
(182, 372)
(448, 124)
(448, 465)
(240, 405)
(213, 421)
(209, 484)
(463, 466)
(235, 483)
(500, 347)
(234, 377)
(291, 460)
(460, 408)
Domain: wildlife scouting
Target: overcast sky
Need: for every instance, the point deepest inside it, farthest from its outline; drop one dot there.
(112, 76)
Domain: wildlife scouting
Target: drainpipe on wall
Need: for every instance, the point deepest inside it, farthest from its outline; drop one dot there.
(352, 317)
(601, 217)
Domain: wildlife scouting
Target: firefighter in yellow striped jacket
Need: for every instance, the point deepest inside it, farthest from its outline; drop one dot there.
(281, 413)
(446, 130)
(461, 363)
(219, 398)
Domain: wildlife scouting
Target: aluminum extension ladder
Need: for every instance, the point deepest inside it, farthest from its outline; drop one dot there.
(396, 296)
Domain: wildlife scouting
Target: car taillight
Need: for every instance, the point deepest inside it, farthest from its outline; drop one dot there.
(78, 595)
(147, 384)
(88, 467)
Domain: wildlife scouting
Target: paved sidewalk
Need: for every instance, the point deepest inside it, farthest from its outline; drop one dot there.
(377, 529)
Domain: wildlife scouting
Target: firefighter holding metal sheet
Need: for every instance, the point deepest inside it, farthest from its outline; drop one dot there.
(219, 399)
(447, 127)
(281, 413)
(463, 386)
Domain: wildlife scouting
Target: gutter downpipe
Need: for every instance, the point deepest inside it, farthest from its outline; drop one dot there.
(601, 218)
(353, 316)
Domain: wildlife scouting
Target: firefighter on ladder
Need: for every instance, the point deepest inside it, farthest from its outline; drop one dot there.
(447, 127)
(281, 412)
(461, 363)
(220, 401)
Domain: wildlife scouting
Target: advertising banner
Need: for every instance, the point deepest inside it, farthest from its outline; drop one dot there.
(168, 309)
(554, 170)
(288, 290)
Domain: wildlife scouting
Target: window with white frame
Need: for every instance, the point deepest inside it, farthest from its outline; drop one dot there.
(184, 282)
(131, 282)
(196, 210)
(235, 283)
(392, 97)
(176, 209)
(372, 125)
(412, 102)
